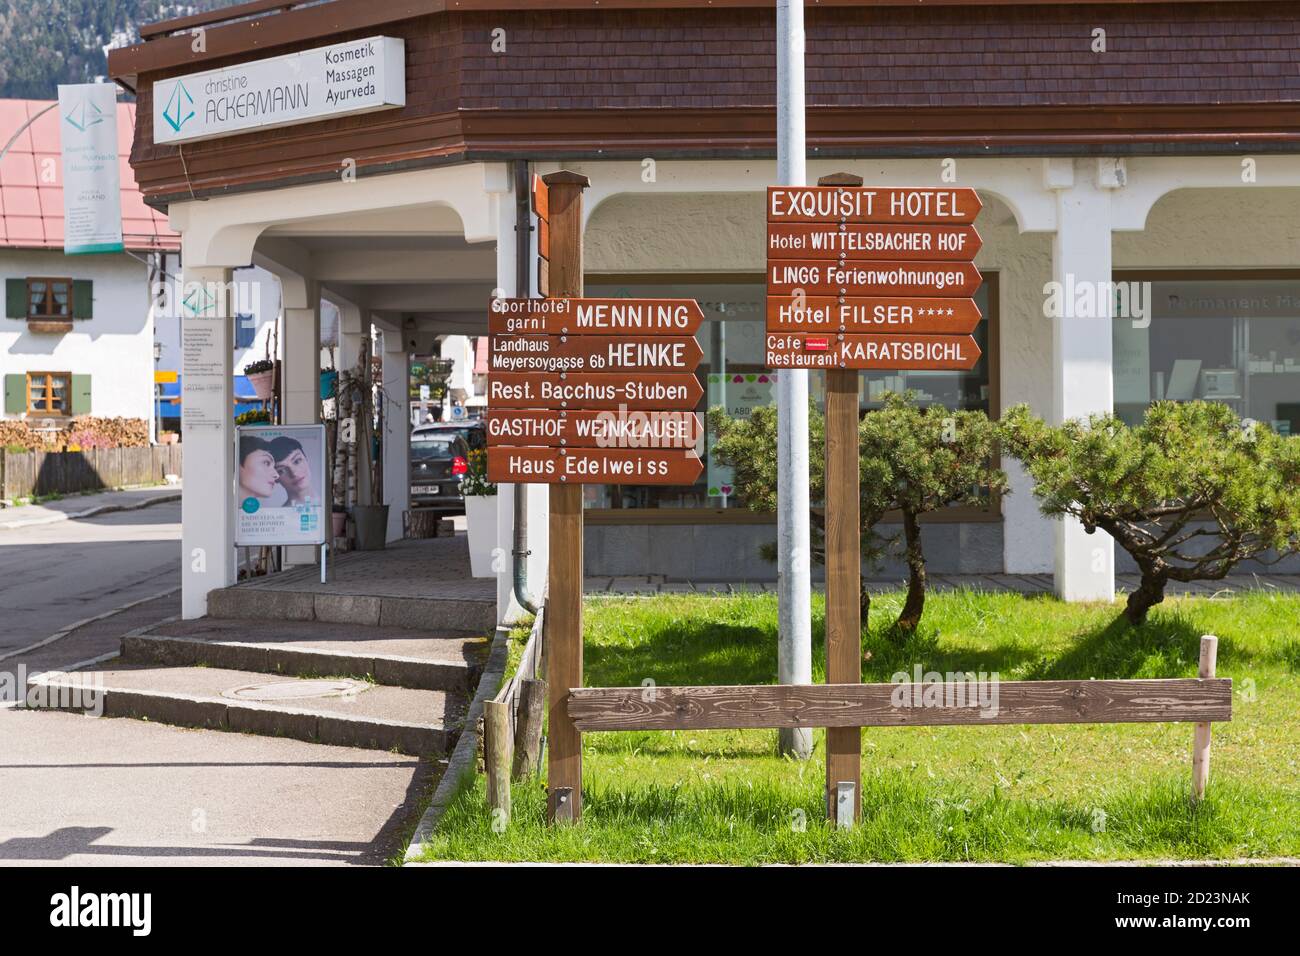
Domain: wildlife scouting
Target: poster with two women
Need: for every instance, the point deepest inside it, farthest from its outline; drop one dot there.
(280, 485)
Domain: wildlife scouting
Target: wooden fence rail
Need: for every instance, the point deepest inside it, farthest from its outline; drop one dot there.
(29, 473)
(878, 705)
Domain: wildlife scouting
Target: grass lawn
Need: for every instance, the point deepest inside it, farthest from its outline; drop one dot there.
(1007, 793)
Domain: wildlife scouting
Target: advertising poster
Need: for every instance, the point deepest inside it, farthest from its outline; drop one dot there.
(92, 196)
(739, 393)
(280, 485)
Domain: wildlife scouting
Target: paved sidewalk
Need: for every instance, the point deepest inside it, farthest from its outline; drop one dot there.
(86, 506)
(112, 791)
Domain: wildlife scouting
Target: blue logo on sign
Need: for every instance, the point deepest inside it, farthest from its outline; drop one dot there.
(178, 111)
(85, 115)
(250, 505)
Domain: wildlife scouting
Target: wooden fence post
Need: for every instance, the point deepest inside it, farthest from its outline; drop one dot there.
(1201, 740)
(564, 580)
(843, 575)
(528, 728)
(496, 755)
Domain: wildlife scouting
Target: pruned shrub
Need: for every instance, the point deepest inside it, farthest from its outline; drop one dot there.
(1190, 493)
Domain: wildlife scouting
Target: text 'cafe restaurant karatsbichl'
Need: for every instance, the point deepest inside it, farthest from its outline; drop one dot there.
(376, 155)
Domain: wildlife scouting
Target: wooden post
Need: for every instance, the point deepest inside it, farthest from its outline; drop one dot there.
(528, 727)
(1201, 741)
(843, 571)
(564, 581)
(496, 755)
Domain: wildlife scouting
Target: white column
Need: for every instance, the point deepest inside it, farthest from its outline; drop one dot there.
(301, 376)
(300, 381)
(208, 434)
(397, 432)
(1081, 350)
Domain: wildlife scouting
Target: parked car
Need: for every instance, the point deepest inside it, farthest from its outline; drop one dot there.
(439, 460)
(474, 432)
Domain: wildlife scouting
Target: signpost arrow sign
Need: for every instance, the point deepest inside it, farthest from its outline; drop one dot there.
(594, 390)
(931, 279)
(832, 241)
(591, 429)
(593, 353)
(873, 204)
(881, 314)
(593, 466)
(889, 352)
(571, 316)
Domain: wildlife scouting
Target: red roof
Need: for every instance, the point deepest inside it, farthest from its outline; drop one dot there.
(31, 189)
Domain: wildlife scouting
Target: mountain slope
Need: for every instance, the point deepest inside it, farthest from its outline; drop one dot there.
(47, 42)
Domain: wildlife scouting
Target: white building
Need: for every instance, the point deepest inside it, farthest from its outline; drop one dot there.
(1175, 162)
(77, 333)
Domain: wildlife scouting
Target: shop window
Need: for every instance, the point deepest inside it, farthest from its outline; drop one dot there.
(1215, 337)
(733, 375)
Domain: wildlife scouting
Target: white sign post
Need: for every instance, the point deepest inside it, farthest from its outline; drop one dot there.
(92, 196)
(345, 79)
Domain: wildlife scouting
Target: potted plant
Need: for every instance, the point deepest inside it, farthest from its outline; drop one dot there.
(261, 375)
(480, 514)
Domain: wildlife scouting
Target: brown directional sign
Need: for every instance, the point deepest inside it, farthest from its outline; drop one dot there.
(592, 429)
(593, 353)
(594, 390)
(593, 466)
(926, 279)
(891, 352)
(871, 204)
(563, 316)
(881, 314)
(871, 241)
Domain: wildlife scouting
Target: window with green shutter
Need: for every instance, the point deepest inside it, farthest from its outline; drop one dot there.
(83, 299)
(15, 394)
(81, 395)
(15, 299)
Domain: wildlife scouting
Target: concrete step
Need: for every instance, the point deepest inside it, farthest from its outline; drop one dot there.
(434, 660)
(306, 603)
(346, 713)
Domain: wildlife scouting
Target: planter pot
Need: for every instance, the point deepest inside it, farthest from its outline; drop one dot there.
(263, 384)
(340, 522)
(481, 520)
(372, 526)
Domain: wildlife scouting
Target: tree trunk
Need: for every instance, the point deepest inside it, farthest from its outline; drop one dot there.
(864, 604)
(1150, 592)
(915, 603)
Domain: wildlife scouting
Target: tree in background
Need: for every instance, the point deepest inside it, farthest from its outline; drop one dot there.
(928, 458)
(1190, 493)
(911, 460)
(48, 42)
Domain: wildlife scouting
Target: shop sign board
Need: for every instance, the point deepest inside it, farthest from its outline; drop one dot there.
(878, 352)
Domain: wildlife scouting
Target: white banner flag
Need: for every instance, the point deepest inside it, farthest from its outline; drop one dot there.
(92, 196)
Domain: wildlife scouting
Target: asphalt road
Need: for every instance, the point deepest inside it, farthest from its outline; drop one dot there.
(54, 575)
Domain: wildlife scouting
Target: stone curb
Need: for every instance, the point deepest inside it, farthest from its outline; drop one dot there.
(88, 513)
(465, 753)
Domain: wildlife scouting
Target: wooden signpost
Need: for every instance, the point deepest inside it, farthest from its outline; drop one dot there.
(585, 391)
(863, 279)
